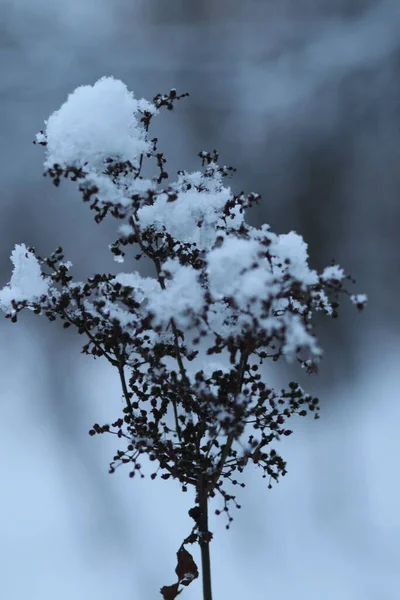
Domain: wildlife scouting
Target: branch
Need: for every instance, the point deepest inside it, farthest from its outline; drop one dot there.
(182, 370)
(124, 387)
(227, 447)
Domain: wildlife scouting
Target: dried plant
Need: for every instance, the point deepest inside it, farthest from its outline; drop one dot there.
(189, 343)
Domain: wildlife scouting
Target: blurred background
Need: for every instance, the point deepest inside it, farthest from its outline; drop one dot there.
(303, 97)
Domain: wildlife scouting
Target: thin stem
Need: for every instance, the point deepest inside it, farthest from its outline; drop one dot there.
(125, 390)
(146, 128)
(161, 281)
(204, 538)
(90, 336)
(226, 448)
(181, 366)
(173, 326)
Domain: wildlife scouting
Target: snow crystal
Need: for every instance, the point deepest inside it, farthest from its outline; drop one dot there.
(142, 287)
(291, 247)
(227, 267)
(125, 230)
(333, 273)
(40, 138)
(96, 122)
(194, 216)
(359, 299)
(183, 293)
(107, 190)
(26, 281)
(297, 337)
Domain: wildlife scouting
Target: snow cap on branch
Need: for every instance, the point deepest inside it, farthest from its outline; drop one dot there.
(197, 211)
(96, 122)
(291, 249)
(26, 282)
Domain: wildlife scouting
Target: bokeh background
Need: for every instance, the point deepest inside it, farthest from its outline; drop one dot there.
(303, 97)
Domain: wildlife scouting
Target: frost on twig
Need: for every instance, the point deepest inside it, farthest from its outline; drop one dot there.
(188, 343)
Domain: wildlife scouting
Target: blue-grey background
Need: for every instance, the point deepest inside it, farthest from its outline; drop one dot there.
(303, 97)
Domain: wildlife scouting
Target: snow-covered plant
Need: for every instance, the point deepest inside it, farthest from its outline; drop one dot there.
(189, 343)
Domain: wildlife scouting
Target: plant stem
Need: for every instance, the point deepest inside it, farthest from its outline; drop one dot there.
(157, 265)
(204, 538)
